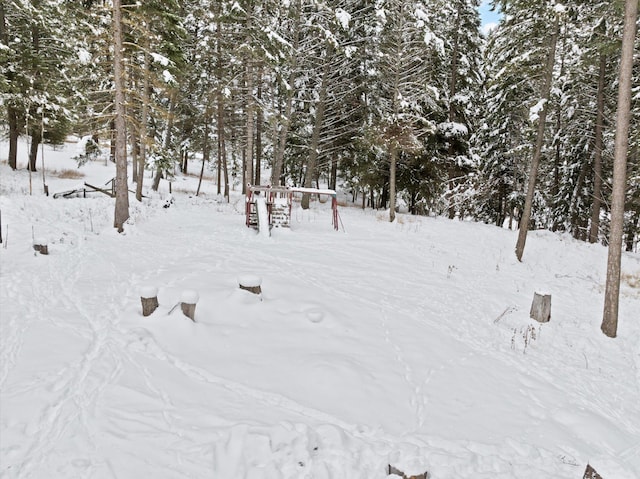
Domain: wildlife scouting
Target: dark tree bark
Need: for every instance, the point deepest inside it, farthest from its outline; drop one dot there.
(36, 138)
(205, 148)
(14, 133)
(597, 158)
(259, 123)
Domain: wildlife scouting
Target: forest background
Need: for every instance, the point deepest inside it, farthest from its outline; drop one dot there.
(394, 101)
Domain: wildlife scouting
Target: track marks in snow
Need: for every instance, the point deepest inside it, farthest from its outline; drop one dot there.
(12, 333)
(149, 346)
(419, 400)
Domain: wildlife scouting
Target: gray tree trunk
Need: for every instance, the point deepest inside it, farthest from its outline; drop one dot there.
(612, 288)
(205, 148)
(14, 133)
(393, 159)
(259, 123)
(452, 171)
(122, 192)
(597, 159)
(317, 126)
(537, 153)
(251, 107)
(142, 162)
(278, 160)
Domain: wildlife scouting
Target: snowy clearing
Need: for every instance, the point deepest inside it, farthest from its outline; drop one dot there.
(407, 344)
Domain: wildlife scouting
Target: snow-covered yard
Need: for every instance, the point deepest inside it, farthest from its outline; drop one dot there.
(407, 344)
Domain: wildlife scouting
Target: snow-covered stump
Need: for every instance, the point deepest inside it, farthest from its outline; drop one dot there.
(541, 307)
(397, 472)
(188, 302)
(41, 246)
(590, 473)
(250, 283)
(149, 299)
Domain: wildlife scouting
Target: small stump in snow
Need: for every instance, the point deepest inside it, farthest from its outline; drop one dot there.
(149, 299)
(541, 307)
(590, 473)
(41, 247)
(250, 283)
(396, 472)
(188, 302)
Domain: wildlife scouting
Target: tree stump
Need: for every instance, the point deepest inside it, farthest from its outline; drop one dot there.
(250, 283)
(188, 302)
(41, 248)
(590, 473)
(541, 307)
(149, 299)
(398, 472)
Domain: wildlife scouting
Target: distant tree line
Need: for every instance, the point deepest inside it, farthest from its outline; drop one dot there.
(392, 100)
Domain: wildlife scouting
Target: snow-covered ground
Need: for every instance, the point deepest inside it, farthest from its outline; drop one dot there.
(407, 344)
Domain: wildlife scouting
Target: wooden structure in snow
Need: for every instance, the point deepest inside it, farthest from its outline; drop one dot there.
(279, 200)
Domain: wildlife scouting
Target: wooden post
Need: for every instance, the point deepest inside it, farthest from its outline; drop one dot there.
(541, 307)
(188, 302)
(149, 299)
(250, 283)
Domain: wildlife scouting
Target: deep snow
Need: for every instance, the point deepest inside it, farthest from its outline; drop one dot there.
(407, 344)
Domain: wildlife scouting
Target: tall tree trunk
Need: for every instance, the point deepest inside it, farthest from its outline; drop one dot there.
(220, 120)
(557, 160)
(225, 169)
(537, 153)
(597, 158)
(250, 102)
(278, 160)
(205, 148)
(612, 288)
(453, 81)
(112, 141)
(135, 154)
(122, 192)
(167, 139)
(12, 112)
(333, 177)
(632, 227)
(14, 133)
(393, 158)
(143, 124)
(222, 142)
(36, 138)
(317, 126)
(259, 122)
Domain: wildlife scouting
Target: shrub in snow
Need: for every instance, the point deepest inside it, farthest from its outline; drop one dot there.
(88, 150)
